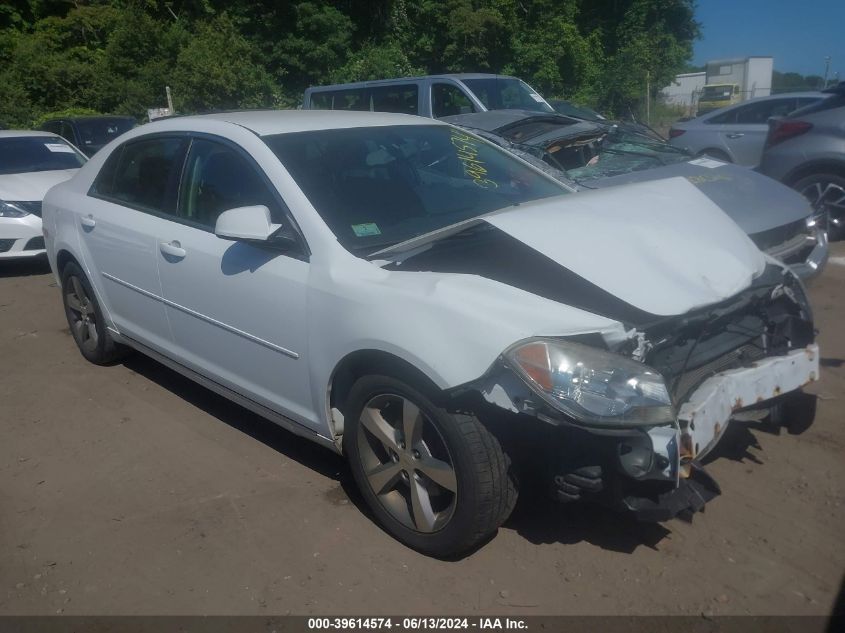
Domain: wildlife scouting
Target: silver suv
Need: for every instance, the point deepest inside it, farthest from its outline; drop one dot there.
(806, 150)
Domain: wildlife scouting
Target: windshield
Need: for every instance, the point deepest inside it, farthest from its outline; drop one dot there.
(623, 151)
(378, 186)
(505, 94)
(716, 93)
(24, 154)
(98, 132)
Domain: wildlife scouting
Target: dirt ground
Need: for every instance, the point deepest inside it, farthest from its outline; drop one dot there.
(130, 490)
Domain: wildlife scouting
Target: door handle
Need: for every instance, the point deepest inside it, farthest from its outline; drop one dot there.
(172, 249)
(736, 135)
(88, 221)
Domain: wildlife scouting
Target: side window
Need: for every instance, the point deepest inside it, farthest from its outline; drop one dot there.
(321, 100)
(447, 99)
(803, 102)
(353, 99)
(218, 178)
(724, 118)
(402, 98)
(757, 113)
(52, 126)
(147, 174)
(103, 185)
(66, 131)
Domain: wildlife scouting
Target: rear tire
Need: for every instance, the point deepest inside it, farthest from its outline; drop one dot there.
(438, 482)
(85, 318)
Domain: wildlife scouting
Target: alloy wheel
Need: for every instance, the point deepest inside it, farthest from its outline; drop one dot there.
(83, 317)
(407, 463)
(825, 195)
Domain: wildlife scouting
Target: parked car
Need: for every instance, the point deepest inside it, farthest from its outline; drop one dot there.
(90, 133)
(430, 96)
(437, 310)
(30, 163)
(737, 134)
(806, 150)
(596, 155)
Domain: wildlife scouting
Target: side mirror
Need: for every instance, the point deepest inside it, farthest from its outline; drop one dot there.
(250, 224)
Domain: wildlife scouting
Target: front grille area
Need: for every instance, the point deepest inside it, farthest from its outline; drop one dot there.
(35, 244)
(30, 207)
(5, 245)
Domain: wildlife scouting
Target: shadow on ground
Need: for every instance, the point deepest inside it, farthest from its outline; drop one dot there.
(536, 518)
(24, 267)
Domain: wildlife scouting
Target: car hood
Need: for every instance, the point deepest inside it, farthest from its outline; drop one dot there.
(31, 186)
(754, 201)
(656, 248)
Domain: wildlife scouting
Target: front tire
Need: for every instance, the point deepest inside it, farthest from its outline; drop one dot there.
(437, 481)
(826, 192)
(85, 318)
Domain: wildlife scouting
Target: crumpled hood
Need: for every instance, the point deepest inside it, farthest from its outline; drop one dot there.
(661, 246)
(31, 186)
(754, 201)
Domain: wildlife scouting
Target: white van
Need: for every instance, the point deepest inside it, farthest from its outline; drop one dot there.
(431, 96)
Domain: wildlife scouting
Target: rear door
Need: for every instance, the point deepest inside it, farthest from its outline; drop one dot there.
(133, 193)
(746, 134)
(237, 310)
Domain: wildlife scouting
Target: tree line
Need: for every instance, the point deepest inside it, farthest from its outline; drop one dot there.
(116, 56)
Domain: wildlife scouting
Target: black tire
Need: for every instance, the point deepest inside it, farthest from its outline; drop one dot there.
(485, 491)
(715, 153)
(85, 317)
(833, 184)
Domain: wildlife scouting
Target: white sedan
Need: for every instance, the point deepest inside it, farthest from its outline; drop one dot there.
(30, 163)
(454, 321)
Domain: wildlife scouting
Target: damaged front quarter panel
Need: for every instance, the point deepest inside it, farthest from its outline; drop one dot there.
(741, 353)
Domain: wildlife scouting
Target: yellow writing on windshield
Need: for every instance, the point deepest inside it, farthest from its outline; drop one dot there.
(467, 150)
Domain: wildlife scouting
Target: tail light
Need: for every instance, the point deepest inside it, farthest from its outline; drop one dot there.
(674, 133)
(784, 129)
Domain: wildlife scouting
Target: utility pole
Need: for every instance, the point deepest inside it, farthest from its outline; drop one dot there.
(647, 98)
(826, 70)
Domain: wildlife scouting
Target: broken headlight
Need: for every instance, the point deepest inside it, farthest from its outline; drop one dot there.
(592, 385)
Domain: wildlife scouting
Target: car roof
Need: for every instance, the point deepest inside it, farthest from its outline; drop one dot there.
(375, 82)
(25, 133)
(266, 122)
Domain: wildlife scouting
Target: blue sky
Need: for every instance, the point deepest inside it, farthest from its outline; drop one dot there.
(797, 33)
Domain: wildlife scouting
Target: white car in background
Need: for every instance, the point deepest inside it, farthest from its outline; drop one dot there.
(30, 163)
(435, 309)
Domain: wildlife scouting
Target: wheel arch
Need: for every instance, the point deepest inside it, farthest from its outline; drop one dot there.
(63, 258)
(821, 166)
(365, 362)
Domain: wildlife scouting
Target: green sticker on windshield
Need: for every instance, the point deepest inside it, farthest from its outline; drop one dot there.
(365, 230)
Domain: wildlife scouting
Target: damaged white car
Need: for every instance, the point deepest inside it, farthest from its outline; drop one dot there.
(434, 308)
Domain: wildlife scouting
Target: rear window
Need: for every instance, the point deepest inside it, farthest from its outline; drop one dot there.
(97, 132)
(24, 154)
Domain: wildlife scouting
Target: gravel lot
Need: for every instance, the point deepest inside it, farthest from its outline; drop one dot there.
(130, 490)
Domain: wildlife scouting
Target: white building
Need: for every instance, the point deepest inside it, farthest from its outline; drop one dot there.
(685, 89)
